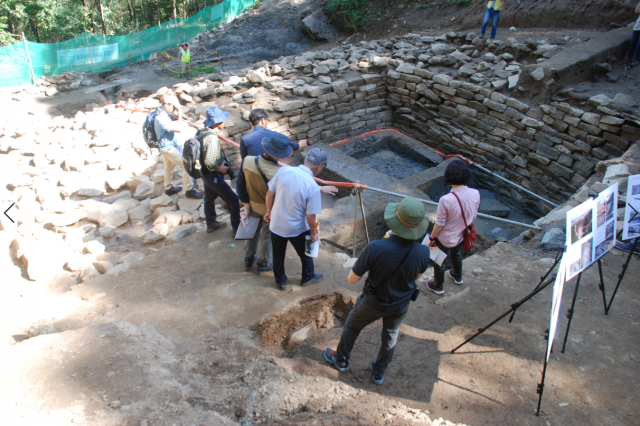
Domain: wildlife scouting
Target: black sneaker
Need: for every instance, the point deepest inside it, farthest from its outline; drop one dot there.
(248, 262)
(282, 286)
(431, 285)
(215, 225)
(330, 357)
(378, 378)
(173, 190)
(261, 269)
(193, 193)
(316, 279)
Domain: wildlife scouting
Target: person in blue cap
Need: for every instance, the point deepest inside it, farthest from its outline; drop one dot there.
(215, 167)
(171, 148)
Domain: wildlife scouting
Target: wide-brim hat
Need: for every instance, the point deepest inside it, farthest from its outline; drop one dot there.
(407, 219)
(215, 116)
(277, 145)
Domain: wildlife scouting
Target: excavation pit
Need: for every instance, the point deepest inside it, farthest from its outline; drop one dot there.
(394, 162)
(310, 316)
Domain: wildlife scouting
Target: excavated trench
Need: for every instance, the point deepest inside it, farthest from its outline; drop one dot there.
(310, 316)
(389, 159)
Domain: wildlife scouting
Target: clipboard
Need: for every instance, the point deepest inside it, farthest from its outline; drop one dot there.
(247, 233)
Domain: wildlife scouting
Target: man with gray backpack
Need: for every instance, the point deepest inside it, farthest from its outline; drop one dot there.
(214, 169)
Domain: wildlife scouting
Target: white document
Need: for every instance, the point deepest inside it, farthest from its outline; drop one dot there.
(437, 255)
(312, 248)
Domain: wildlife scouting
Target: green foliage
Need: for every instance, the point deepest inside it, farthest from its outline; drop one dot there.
(52, 21)
(354, 9)
(464, 2)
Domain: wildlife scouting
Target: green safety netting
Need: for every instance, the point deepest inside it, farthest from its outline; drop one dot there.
(92, 53)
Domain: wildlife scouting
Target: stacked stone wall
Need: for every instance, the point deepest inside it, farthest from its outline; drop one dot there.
(549, 149)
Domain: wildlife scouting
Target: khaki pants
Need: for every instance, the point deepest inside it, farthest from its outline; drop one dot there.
(186, 69)
(173, 158)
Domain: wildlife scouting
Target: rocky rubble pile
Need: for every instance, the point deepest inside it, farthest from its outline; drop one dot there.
(81, 186)
(55, 84)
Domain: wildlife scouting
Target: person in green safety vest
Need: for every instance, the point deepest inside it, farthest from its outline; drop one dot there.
(185, 59)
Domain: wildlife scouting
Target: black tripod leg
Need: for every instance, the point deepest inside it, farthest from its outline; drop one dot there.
(570, 313)
(604, 299)
(621, 276)
(541, 384)
(513, 308)
(542, 278)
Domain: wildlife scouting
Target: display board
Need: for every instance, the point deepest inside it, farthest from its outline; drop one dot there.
(591, 229)
(632, 209)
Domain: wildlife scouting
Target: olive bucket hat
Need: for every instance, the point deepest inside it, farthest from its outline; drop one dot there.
(407, 218)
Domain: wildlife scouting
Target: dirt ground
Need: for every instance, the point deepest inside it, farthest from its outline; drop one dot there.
(178, 338)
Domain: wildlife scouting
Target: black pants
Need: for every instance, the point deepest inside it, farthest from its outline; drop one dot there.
(454, 255)
(214, 187)
(364, 313)
(280, 250)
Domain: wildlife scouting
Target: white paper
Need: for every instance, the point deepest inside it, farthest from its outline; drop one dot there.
(315, 247)
(591, 231)
(437, 255)
(632, 209)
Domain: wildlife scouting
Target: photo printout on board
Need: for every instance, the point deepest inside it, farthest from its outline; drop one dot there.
(632, 209)
(604, 234)
(580, 224)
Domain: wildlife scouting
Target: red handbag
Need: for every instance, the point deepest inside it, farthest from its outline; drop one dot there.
(469, 233)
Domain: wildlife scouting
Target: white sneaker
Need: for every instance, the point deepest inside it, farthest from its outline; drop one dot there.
(454, 280)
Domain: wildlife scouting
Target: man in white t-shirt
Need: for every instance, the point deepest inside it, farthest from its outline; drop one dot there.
(634, 46)
(293, 202)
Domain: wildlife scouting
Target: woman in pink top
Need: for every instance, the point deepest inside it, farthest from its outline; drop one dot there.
(449, 223)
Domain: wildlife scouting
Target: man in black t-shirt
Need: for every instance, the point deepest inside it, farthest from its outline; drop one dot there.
(394, 264)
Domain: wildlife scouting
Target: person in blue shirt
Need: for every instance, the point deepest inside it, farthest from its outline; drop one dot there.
(251, 143)
(170, 148)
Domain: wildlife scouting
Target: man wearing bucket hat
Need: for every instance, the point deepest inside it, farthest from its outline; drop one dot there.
(394, 264)
(293, 202)
(215, 167)
(170, 148)
(252, 185)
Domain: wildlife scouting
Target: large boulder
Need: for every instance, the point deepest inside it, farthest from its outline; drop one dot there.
(317, 26)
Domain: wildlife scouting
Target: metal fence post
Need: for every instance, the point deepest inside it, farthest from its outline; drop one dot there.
(26, 48)
(140, 40)
(86, 37)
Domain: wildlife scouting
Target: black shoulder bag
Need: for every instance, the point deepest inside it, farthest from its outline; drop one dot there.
(372, 291)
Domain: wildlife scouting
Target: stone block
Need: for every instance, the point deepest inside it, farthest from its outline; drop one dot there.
(520, 106)
(548, 152)
(180, 233)
(162, 201)
(530, 122)
(590, 118)
(135, 181)
(144, 190)
(494, 105)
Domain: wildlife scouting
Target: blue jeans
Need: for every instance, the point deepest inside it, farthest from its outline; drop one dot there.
(214, 187)
(490, 15)
(364, 313)
(634, 45)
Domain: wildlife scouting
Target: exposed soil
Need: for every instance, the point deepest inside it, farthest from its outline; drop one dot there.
(391, 17)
